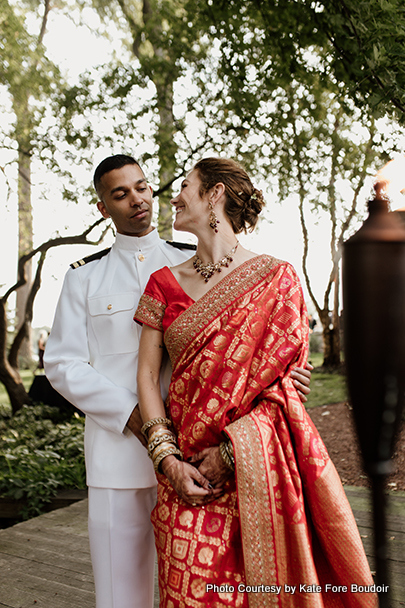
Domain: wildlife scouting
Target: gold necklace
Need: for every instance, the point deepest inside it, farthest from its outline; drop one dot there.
(207, 270)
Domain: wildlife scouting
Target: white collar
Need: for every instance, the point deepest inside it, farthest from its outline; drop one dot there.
(137, 243)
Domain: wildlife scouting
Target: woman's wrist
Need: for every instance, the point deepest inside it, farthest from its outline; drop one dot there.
(162, 442)
(168, 463)
(154, 424)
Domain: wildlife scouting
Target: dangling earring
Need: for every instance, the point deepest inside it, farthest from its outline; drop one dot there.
(214, 221)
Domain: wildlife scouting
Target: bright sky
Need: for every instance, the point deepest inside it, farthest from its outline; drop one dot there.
(279, 234)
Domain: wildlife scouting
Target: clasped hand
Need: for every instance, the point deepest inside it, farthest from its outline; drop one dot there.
(200, 480)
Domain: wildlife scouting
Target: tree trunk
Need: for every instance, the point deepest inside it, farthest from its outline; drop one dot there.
(9, 376)
(25, 242)
(163, 79)
(15, 389)
(331, 340)
(167, 156)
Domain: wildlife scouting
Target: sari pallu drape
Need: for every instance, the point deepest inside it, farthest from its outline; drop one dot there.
(231, 352)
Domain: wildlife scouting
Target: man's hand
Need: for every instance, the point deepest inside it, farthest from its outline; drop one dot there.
(210, 464)
(135, 424)
(301, 379)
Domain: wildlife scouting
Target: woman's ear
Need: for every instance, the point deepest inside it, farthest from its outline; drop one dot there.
(217, 192)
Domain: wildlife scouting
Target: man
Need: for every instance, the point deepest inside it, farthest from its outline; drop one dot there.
(91, 359)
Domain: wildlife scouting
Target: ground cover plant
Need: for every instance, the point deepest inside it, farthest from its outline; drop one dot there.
(40, 453)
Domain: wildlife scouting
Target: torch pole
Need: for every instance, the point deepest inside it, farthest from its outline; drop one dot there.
(379, 502)
(374, 330)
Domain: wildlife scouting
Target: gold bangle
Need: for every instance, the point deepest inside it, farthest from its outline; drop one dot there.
(225, 456)
(160, 433)
(161, 448)
(172, 450)
(154, 421)
(230, 452)
(153, 443)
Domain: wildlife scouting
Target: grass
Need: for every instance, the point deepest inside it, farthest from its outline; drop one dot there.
(325, 388)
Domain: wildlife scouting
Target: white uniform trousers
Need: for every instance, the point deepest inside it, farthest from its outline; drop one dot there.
(122, 546)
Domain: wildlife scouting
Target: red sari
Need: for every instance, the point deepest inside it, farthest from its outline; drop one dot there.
(284, 521)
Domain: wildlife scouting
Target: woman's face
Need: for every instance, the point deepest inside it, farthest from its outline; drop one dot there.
(190, 208)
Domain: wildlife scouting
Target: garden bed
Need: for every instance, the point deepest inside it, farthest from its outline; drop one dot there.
(12, 511)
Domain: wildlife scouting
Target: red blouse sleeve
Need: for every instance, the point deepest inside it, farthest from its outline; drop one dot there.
(152, 305)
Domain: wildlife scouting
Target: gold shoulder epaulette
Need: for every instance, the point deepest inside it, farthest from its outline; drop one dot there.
(91, 258)
(182, 245)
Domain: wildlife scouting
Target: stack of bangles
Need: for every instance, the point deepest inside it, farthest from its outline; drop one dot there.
(161, 442)
(227, 454)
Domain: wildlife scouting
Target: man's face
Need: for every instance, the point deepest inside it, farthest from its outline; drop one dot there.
(126, 198)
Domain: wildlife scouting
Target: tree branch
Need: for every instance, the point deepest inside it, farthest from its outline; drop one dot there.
(47, 8)
(302, 191)
(182, 167)
(29, 308)
(80, 239)
(133, 26)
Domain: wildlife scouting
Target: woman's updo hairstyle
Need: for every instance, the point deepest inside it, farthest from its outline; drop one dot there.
(243, 201)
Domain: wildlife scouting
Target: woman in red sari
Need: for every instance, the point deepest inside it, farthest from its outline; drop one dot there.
(250, 511)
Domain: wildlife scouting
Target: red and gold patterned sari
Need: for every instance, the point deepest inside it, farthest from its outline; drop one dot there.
(284, 521)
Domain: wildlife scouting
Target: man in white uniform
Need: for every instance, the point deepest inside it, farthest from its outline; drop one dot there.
(91, 359)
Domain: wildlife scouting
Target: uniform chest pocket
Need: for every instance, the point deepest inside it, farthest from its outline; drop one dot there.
(111, 318)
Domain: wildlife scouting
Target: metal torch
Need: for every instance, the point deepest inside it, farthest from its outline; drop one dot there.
(374, 337)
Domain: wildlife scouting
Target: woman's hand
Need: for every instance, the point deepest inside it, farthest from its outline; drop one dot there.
(210, 464)
(189, 483)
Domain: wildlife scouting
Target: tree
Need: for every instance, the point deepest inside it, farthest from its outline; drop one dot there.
(9, 368)
(173, 56)
(323, 149)
(160, 41)
(359, 46)
(28, 77)
(296, 70)
(368, 39)
(240, 61)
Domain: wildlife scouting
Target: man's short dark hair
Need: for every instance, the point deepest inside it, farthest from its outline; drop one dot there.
(109, 164)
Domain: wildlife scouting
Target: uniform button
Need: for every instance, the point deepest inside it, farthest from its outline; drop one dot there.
(109, 307)
(141, 257)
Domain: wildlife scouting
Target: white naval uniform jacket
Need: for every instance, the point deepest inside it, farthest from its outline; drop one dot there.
(91, 355)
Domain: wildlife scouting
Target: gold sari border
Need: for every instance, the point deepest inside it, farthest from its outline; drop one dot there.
(184, 330)
(340, 534)
(150, 312)
(258, 534)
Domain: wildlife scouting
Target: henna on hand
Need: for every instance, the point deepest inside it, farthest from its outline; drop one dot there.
(189, 483)
(210, 464)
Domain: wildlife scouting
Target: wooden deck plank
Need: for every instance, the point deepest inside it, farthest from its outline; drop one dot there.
(46, 561)
(360, 501)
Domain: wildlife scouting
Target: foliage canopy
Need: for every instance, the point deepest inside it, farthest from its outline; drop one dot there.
(359, 45)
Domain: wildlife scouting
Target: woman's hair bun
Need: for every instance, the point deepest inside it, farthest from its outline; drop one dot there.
(244, 202)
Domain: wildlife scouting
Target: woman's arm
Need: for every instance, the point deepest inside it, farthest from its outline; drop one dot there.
(189, 484)
(149, 363)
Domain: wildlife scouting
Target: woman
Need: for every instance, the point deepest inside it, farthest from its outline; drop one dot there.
(249, 506)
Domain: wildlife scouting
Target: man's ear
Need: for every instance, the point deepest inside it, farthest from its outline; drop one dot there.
(102, 208)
